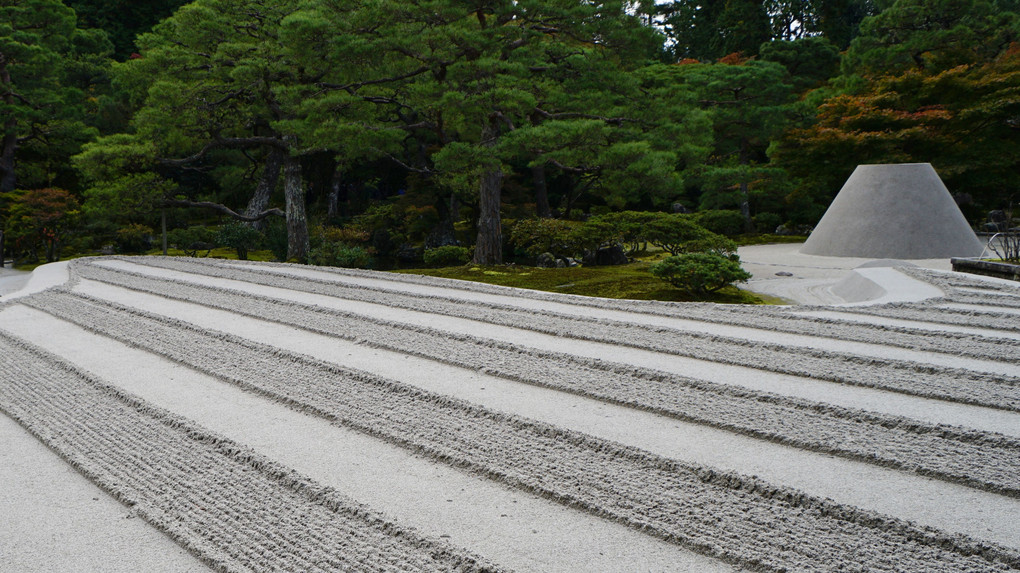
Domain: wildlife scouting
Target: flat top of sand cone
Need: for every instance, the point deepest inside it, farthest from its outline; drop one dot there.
(896, 211)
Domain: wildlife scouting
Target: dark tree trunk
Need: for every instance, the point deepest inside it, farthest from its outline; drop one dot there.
(568, 201)
(336, 187)
(264, 190)
(297, 220)
(541, 192)
(444, 233)
(489, 245)
(745, 207)
(8, 146)
(745, 195)
(162, 228)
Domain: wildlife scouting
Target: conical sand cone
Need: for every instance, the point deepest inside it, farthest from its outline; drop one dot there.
(900, 211)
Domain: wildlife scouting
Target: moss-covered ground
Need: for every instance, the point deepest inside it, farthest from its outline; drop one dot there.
(631, 281)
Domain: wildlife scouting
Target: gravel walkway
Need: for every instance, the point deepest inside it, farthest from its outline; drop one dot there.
(934, 407)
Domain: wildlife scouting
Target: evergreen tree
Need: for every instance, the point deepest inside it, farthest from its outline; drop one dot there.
(48, 70)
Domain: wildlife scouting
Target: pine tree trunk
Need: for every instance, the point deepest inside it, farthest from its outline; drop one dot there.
(336, 184)
(745, 207)
(541, 192)
(8, 145)
(489, 245)
(264, 190)
(297, 220)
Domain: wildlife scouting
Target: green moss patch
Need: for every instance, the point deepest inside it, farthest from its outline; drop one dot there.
(632, 281)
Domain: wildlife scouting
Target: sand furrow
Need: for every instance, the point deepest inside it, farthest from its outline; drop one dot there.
(721, 514)
(706, 317)
(835, 314)
(918, 380)
(509, 527)
(985, 460)
(223, 502)
(686, 336)
(990, 320)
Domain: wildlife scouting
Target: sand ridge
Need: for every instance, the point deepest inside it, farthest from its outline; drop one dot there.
(703, 512)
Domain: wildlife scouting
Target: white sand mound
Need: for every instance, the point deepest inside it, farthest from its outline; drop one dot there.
(901, 211)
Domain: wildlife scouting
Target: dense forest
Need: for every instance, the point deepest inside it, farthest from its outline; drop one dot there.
(331, 130)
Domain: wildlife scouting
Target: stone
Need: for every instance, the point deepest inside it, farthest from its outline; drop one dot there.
(545, 261)
(611, 256)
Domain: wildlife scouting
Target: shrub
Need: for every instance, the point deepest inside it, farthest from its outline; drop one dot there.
(242, 238)
(447, 256)
(349, 234)
(699, 273)
(592, 235)
(332, 254)
(631, 226)
(712, 244)
(192, 240)
(134, 238)
(767, 222)
(276, 238)
(672, 233)
(721, 222)
(537, 236)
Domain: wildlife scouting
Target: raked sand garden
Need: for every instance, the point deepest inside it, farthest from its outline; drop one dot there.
(169, 414)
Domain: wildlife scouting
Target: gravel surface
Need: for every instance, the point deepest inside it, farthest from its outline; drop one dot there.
(189, 481)
(222, 501)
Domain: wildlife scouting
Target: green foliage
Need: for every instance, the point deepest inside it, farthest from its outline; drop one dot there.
(699, 273)
(961, 119)
(594, 234)
(930, 35)
(722, 222)
(749, 104)
(809, 61)
(134, 238)
(276, 239)
(240, 237)
(39, 220)
(630, 226)
(447, 256)
(712, 244)
(767, 222)
(672, 233)
(192, 240)
(537, 236)
(340, 247)
(45, 108)
(336, 254)
(123, 19)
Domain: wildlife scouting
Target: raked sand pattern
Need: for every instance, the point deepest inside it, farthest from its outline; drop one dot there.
(269, 417)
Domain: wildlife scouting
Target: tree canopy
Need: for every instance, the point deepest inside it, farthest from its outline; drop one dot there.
(417, 125)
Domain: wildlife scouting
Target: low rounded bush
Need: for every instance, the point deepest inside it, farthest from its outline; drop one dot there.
(134, 238)
(672, 233)
(447, 256)
(700, 273)
(240, 237)
(193, 239)
(330, 254)
(712, 244)
(537, 236)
